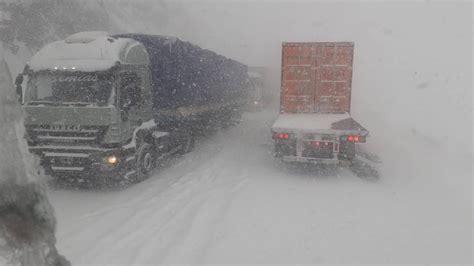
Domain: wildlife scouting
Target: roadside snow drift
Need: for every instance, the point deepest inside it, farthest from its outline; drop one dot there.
(27, 222)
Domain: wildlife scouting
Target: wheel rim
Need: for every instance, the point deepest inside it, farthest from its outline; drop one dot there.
(147, 162)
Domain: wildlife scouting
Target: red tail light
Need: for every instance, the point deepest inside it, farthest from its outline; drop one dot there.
(353, 138)
(281, 136)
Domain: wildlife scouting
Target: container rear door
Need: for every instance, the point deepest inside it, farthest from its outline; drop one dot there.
(316, 77)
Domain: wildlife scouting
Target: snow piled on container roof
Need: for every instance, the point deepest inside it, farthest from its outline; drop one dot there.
(85, 51)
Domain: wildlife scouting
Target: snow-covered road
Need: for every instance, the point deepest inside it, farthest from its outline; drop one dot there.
(229, 201)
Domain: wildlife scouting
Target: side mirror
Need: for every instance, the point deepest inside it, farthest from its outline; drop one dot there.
(131, 90)
(19, 80)
(19, 90)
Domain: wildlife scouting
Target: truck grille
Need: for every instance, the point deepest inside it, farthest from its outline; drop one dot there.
(65, 135)
(66, 149)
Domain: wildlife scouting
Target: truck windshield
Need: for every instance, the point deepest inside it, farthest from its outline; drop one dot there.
(75, 89)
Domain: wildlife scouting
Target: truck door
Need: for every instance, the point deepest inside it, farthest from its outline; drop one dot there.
(129, 102)
(332, 76)
(297, 93)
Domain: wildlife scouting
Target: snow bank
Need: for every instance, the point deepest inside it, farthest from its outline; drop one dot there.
(27, 220)
(16, 62)
(13, 149)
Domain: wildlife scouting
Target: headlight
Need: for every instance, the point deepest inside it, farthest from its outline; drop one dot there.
(112, 159)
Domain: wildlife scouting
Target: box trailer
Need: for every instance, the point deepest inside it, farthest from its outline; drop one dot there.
(256, 96)
(315, 124)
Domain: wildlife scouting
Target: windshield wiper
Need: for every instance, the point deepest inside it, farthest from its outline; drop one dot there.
(76, 103)
(59, 103)
(42, 102)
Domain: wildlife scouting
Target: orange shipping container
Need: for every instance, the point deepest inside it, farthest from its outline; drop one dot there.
(316, 77)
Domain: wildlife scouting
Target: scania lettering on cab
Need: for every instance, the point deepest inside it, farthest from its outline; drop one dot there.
(106, 108)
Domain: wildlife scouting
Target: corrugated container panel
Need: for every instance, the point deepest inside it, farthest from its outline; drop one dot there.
(316, 77)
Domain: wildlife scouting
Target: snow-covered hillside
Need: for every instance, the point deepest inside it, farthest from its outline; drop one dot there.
(25, 26)
(27, 231)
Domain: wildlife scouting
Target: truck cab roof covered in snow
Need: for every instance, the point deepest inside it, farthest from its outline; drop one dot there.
(89, 51)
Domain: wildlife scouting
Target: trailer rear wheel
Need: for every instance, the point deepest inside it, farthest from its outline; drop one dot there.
(347, 151)
(145, 161)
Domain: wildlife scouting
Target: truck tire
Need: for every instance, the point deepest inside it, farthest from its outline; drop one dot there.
(278, 151)
(145, 162)
(187, 143)
(348, 151)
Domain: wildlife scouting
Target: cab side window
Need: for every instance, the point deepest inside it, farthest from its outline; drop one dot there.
(131, 90)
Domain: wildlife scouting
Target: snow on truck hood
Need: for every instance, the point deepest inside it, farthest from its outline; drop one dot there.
(303, 122)
(84, 51)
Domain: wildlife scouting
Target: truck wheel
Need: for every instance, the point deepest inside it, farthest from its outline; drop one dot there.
(278, 151)
(348, 151)
(187, 143)
(145, 161)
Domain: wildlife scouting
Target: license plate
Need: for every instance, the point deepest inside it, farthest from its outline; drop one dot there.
(317, 137)
(320, 144)
(66, 160)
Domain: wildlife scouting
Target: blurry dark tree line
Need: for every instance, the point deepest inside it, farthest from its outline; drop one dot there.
(37, 22)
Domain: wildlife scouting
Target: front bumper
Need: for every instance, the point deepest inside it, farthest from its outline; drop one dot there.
(312, 160)
(84, 162)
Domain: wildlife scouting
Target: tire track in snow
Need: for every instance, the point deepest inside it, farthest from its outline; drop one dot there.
(122, 209)
(207, 226)
(149, 212)
(158, 215)
(179, 213)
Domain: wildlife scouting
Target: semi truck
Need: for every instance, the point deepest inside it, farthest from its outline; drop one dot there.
(105, 108)
(256, 88)
(315, 123)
